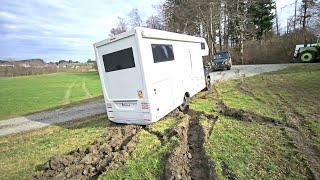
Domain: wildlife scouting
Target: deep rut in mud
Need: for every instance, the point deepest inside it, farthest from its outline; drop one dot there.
(200, 163)
(89, 162)
(189, 159)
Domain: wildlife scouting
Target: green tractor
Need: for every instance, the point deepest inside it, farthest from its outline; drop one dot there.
(309, 54)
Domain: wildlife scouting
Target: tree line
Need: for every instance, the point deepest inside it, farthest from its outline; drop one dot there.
(249, 29)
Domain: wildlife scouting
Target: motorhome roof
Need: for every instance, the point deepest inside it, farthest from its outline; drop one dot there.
(153, 34)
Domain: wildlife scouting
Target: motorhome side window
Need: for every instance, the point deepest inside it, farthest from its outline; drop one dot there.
(118, 60)
(203, 46)
(162, 52)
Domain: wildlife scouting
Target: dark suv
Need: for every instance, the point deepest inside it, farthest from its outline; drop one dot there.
(221, 60)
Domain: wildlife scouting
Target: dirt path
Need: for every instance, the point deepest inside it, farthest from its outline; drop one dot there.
(46, 118)
(42, 119)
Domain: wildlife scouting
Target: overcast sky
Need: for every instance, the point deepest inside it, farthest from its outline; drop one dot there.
(61, 29)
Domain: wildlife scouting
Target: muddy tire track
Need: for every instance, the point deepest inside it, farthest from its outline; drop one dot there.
(189, 159)
(66, 99)
(201, 166)
(243, 115)
(291, 126)
(109, 151)
(242, 86)
(309, 152)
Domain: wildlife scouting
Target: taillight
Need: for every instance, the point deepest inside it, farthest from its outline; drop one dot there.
(109, 105)
(145, 105)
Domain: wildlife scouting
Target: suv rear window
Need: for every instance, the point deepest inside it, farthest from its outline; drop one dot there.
(221, 55)
(118, 60)
(162, 52)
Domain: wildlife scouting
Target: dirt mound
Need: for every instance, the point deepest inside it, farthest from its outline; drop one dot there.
(189, 160)
(89, 162)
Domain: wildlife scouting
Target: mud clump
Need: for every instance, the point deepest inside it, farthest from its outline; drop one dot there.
(189, 159)
(165, 136)
(89, 162)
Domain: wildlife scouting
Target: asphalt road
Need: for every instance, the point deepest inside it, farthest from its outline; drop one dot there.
(46, 118)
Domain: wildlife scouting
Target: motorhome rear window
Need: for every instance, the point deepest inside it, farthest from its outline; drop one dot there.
(118, 60)
(162, 52)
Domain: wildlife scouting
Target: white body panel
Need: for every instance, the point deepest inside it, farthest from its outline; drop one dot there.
(163, 84)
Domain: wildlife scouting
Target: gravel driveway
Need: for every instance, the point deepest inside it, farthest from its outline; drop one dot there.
(245, 71)
(46, 118)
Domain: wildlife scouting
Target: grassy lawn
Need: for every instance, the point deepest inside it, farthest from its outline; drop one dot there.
(253, 151)
(27, 94)
(250, 150)
(20, 154)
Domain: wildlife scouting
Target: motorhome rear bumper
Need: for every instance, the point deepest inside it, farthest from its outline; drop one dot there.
(144, 120)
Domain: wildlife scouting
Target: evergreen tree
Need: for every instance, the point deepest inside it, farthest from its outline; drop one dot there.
(261, 16)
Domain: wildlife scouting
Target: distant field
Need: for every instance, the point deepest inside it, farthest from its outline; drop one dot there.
(23, 95)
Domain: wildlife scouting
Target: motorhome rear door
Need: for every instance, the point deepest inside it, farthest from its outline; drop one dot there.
(122, 73)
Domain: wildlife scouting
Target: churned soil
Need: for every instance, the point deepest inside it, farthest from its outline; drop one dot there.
(189, 159)
(89, 162)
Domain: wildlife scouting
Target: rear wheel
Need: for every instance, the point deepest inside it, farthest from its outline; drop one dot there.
(184, 107)
(307, 56)
(208, 83)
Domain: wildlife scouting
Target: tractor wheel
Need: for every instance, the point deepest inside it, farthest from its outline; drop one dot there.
(307, 56)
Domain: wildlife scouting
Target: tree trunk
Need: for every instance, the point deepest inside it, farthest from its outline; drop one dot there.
(304, 21)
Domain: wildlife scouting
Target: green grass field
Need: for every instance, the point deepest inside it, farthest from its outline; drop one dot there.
(240, 149)
(23, 95)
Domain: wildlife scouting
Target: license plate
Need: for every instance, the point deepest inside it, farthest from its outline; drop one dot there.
(126, 104)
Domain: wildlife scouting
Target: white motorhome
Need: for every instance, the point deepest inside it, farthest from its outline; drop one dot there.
(147, 73)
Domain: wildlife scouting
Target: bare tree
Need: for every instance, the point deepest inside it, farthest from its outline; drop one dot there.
(121, 27)
(314, 21)
(134, 18)
(155, 22)
(305, 8)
